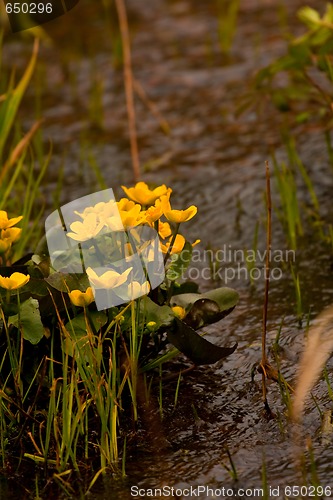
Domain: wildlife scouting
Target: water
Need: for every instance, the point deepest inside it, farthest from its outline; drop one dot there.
(214, 159)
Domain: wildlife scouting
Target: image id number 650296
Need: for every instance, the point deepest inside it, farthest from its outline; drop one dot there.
(29, 8)
(307, 491)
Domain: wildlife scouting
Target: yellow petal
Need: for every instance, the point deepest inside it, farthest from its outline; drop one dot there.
(179, 216)
(131, 217)
(177, 246)
(109, 279)
(15, 281)
(143, 195)
(164, 229)
(87, 229)
(82, 299)
(125, 204)
(179, 312)
(4, 246)
(5, 222)
(135, 290)
(11, 234)
(195, 243)
(154, 213)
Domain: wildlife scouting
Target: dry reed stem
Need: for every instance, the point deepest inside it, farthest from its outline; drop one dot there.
(128, 81)
(19, 149)
(151, 106)
(263, 363)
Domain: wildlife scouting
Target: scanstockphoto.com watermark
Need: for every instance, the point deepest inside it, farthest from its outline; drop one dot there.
(228, 264)
(205, 491)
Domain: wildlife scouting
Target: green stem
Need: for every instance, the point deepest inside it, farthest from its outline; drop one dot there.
(167, 255)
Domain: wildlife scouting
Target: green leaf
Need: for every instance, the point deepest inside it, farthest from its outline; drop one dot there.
(179, 263)
(195, 347)
(64, 282)
(10, 105)
(225, 297)
(161, 315)
(29, 321)
(309, 16)
(301, 53)
(77, 340)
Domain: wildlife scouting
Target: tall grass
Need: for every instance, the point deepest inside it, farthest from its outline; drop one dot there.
(227, 23)
(289, 213)
(20, 175)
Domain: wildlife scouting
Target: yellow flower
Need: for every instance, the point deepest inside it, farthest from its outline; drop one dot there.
(177, 216)
(154, 213)
(102, 209)
(195, 243)
(143, 195)
(87, 229)
(82, 299)
(164, 229)
(15, 281)
(125, 204)
(5, 222)
(128, 214)
(4, 246)
(109, 279)
(177, 246)
(135, 290)
(132, 217)
(179, 312)
(151, 326)
(11, 234)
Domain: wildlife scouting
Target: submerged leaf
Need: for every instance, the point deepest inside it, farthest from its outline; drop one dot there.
(225, 297)
(195, 347)
(206, 308)
(203, 312)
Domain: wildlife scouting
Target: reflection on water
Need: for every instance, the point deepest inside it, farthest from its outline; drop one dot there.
(212, 158)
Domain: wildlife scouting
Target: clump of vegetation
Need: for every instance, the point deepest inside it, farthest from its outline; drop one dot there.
(308, 67)
(69, 370)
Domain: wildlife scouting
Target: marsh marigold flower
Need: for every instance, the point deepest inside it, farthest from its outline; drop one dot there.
(102, 209)
(135, 290)
(4, 246)
(179, 312)
(132, 217)
(154, 212)
(177, 246)
(143, 195)
(177, 216)
(5, 222)
(15, 281)
(82, 299)
(164, 229)
(109, 279)
(87, 229)
(12, 234)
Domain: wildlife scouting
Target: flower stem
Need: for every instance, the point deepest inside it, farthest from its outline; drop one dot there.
(167, 255)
